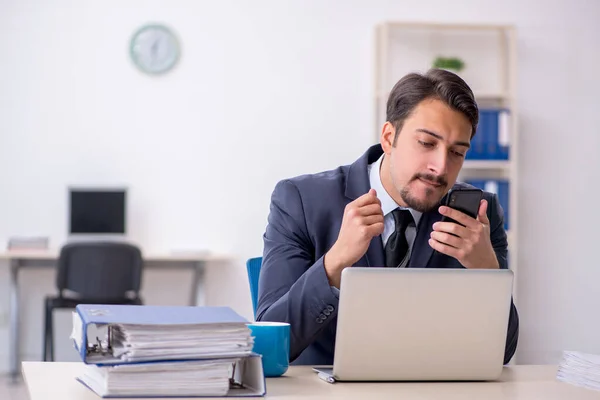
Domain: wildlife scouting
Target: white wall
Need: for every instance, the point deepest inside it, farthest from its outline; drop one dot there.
(266, 90)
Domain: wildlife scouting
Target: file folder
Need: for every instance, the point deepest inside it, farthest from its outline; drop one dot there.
(492, 137)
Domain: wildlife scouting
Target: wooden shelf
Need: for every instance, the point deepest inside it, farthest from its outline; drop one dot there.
(491, 96)
(446, 27)
(487, 164)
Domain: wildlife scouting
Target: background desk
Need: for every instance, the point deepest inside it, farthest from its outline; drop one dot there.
(56, 381)
(21, 259)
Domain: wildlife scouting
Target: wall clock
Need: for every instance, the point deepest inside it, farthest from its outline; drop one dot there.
(154, 49)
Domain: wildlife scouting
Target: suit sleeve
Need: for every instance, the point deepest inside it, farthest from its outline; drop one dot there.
(500, 244)
(293, 285)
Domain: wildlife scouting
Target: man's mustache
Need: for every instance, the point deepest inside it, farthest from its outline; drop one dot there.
(439, 180)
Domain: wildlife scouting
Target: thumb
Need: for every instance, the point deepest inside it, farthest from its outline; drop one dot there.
(372, 192)
(482, 215)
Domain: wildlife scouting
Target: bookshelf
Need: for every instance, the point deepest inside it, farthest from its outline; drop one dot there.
(489, 56)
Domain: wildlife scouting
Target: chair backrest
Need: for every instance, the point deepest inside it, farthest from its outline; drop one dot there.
(253, 266)
(104, 271)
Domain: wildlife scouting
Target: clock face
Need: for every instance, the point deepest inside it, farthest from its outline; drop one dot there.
(154, 49)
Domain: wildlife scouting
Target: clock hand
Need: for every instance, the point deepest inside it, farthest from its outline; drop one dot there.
(154, 49)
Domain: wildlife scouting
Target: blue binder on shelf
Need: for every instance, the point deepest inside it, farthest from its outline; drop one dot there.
(501, 188)
(99, 330)
(492, 137)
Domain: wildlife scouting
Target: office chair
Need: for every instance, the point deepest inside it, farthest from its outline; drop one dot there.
(93, 273)
(253, 267)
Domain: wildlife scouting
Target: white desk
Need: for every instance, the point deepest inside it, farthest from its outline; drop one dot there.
(21, 259)
(56, 381)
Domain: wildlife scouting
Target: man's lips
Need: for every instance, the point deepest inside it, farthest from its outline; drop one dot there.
(430, 183)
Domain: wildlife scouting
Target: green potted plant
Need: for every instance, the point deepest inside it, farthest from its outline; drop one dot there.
(450, 63)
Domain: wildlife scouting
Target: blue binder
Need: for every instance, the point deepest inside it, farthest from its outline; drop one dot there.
(501, 188)
(492, 138)
(103, 316)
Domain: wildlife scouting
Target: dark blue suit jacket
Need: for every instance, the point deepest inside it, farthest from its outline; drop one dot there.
(304, 221)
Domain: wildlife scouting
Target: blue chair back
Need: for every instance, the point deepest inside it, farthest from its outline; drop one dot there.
(253, 266)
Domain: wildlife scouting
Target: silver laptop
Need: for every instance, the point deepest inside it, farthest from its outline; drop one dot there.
(409, 324)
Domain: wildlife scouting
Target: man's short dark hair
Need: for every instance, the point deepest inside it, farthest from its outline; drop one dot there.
(435, 84)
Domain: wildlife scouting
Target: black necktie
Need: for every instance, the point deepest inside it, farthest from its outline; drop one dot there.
(397, 245)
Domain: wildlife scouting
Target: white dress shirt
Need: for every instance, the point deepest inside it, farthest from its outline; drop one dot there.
(388, 205)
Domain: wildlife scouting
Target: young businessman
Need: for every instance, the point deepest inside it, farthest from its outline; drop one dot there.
(382, 210)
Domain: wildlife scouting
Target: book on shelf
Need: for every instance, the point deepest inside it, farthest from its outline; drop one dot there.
(167, 351)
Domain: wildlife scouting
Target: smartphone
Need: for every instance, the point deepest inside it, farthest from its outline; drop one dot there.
(464, 200)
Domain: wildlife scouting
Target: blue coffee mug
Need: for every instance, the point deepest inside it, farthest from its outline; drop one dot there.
(272, 342)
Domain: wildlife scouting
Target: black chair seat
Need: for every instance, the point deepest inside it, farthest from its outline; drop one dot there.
(97, 273)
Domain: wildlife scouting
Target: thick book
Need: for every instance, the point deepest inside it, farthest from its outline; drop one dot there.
(226, 377)
(117, 334)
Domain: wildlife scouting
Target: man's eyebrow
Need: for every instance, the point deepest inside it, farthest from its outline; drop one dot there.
(438, 136)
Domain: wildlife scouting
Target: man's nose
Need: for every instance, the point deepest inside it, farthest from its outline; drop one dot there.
(438, 163)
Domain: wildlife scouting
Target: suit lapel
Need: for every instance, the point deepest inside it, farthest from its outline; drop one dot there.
(422, 251)
(375, 256)
(357, 180)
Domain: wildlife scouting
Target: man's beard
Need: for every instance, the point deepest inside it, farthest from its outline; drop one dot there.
(427, 204)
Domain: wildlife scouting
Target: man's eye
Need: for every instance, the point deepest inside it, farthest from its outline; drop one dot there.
(425, 144)
(458, 154)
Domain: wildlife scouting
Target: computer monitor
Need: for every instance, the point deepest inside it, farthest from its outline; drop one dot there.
(97, 211)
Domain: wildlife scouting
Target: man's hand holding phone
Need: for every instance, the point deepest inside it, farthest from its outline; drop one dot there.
(469, 244)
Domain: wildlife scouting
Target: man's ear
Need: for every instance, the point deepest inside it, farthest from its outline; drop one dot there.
(387, 137)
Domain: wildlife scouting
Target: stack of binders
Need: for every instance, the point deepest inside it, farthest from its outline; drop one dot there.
(166, 351)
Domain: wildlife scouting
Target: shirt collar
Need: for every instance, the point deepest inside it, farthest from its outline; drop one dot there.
(387, 203)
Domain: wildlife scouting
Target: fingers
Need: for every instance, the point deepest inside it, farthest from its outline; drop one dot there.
(365, 215)
(482, 216)
(458, 216)
(368, 219)
(368, 198)
(366, 205)
(446, 249)
(447, 239)
(369, 231)
(370, 209)
(358, 214)
(372, 219)
(374, 229)
(452, 228)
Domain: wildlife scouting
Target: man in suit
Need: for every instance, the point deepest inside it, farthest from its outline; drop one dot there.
(382, 210)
